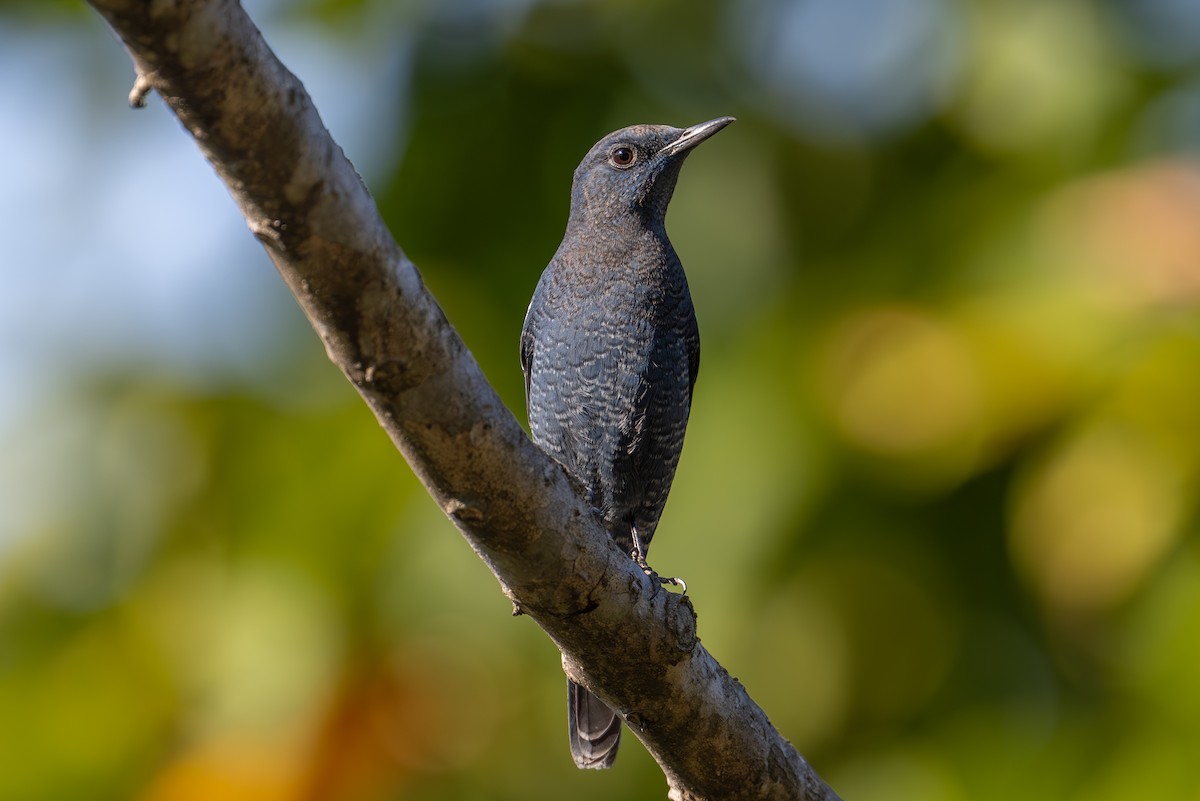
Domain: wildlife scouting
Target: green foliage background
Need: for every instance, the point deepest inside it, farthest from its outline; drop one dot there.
(938, 504)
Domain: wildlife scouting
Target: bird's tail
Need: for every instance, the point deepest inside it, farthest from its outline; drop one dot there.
(595, 729)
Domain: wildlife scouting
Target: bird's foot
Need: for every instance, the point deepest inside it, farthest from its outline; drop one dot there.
(638, 555)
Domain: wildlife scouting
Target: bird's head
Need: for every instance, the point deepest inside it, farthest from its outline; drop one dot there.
(633, 171)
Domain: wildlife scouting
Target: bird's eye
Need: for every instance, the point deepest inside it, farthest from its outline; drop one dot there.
(622, 156)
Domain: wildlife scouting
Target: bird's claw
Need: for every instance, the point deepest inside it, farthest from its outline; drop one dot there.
(674, 581)
(638, 555)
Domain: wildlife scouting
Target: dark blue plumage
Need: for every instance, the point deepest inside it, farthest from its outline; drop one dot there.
(610, 352)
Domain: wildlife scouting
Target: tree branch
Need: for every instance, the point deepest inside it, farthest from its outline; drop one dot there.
(632, 643)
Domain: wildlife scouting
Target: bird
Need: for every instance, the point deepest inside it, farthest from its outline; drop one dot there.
(610, 350)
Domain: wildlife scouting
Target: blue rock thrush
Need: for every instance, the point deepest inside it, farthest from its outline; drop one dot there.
(610, 351)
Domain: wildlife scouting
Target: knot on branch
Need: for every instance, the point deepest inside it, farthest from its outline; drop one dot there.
(467, 511)
(681, 621)
(142, 86)
(389, 378)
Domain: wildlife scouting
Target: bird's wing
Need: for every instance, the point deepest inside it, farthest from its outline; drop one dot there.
(527, 338)
(693, 349)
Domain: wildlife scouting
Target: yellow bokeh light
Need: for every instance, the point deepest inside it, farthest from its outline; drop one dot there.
(1094, 517)
(902, 384)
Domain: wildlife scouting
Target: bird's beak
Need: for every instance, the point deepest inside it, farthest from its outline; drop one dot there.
(694, 136)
